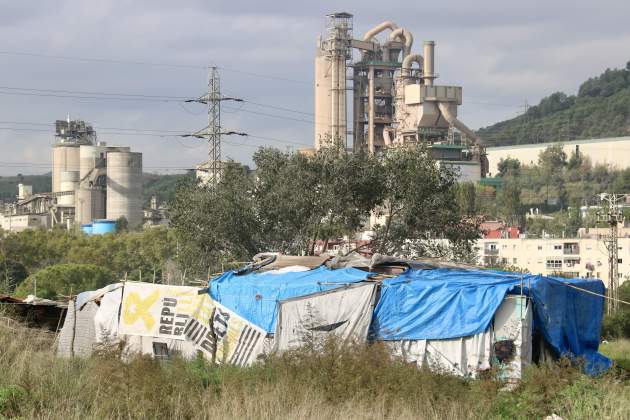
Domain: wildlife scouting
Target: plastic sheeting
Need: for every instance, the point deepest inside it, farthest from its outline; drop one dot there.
(450, 303)
(462, 356)
(345, 313)
(255, 296)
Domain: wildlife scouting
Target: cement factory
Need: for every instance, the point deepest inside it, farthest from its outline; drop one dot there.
(393, 102)
(93, 185)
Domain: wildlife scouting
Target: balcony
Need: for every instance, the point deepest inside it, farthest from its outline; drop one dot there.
(571, 249)
(491, 251)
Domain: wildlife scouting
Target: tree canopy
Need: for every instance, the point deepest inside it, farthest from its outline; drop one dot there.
(294, 200)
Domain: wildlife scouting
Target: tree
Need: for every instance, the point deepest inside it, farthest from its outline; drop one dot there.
(65, 279)
(295, 200)
(552, 162)
(214, 226)
(509, 204)
(419, 208)
(508, 166)
(467, 198)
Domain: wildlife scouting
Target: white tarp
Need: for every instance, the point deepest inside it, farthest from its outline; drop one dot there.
(222, 335)
(462, 356)
(345, 312)
(77, 335)
(510, 335)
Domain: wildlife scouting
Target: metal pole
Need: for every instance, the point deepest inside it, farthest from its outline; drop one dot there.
(371, 109)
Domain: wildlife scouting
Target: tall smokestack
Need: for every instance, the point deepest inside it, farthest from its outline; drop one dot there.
(429, 63)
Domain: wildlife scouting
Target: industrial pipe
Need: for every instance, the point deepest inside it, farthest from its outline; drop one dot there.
(378, 29)
(406, 64)
(429, 62)
(452, 120)
(406, 35)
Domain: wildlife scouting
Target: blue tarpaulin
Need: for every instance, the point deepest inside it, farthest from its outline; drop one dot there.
(448, 303)
(254, 296)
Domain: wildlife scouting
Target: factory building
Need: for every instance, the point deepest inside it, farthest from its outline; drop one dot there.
(393, 102)
(90, 181)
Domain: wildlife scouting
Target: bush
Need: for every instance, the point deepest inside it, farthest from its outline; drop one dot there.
(617, 325)
(65, 279)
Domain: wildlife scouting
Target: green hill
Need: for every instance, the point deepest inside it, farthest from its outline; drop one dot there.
(601, 108)
(9, 185)
(154, 184)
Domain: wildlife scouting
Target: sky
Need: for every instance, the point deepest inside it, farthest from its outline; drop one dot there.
(505, 54)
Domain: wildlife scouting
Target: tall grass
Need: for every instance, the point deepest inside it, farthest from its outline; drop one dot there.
(357, 383)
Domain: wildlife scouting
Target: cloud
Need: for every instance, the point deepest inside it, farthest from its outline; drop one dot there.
(502, 53)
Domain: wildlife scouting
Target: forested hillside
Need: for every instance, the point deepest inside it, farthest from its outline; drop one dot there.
(154, 184)
(601, 108)
(9, 185)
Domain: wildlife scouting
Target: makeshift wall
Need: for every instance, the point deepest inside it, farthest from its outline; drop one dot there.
(345, 313)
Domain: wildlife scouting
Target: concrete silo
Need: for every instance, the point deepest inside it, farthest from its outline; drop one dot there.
(68, 181)
(69, 136)
(124, 186)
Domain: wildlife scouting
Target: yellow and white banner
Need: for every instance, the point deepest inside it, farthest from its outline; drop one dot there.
(223, 336)
(181, 313)
(157, 310)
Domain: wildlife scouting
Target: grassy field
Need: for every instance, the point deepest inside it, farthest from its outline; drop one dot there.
(357, 384)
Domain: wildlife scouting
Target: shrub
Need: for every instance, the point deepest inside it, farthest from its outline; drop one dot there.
(64, 279)
(616, 325)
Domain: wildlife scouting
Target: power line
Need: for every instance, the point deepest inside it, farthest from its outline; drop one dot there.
(146, 63)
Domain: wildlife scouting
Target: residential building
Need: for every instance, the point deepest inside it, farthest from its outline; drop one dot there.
(577, 257)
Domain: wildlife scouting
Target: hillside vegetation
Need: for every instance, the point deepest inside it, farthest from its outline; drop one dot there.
(601, 108)
(163, 186)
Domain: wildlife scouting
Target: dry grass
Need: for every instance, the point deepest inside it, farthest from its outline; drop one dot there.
(359, 384)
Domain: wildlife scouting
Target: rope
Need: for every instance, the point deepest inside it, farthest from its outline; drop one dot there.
(596, 294)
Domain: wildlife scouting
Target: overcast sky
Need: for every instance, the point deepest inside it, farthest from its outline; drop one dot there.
(503, 53)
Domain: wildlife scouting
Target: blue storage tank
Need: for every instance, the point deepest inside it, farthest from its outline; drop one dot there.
(87, 228)
(101, 227)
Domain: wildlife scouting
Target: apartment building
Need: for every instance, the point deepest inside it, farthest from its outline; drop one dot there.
(577, 257)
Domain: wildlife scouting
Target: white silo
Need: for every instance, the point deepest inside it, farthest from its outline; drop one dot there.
(65, 159)
(124, 186)
(68, 181)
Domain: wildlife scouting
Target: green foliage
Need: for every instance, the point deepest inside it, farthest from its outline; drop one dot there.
(508, 167)
(295, 200)
(616, 325)
(10, 398)
(65, 279)
(125, 255)
(357, 381)
(162, 186)
(600, 109)
(418, 206)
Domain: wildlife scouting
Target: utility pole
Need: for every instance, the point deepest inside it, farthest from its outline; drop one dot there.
(611, 215)
(213, 131)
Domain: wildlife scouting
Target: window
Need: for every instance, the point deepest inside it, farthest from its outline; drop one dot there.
(557, 247)
(540, 247)
(160, 350)
(553, 264)
(619, 260)
(514, 261)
